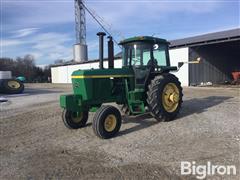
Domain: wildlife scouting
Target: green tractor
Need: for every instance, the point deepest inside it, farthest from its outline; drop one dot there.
(143, 85)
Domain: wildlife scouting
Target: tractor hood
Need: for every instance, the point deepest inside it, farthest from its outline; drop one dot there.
(97, 83)
(101, 73)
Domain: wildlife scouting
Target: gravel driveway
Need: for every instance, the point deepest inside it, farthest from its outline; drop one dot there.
(34, 143)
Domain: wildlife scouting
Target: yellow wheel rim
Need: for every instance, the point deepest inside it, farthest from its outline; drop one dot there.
(13, 84)
(110, 123)
(77, 117)
(170, 97)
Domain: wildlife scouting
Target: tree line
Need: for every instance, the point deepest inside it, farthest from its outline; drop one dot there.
(25, 66)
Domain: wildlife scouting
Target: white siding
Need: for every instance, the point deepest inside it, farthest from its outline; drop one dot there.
(5, 75)
(62, 74)
(180, 55)
(59, 74)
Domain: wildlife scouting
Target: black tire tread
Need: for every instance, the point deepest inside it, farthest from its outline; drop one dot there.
(98, 126)
(8, 90)
(156, 109)
(71, 125)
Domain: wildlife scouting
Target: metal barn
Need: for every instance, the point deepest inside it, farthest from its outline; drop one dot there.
(220, 56)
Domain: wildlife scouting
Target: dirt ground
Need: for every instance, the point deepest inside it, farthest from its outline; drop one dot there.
(35, 144)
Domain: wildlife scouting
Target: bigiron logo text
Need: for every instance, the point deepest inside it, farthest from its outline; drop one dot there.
(209, 169)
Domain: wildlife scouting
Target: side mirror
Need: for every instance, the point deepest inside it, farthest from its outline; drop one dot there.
(197, 61)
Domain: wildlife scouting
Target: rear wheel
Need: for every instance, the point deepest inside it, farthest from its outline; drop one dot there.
(12, 86)
(106, 122)
(74, 120)
(164, 97)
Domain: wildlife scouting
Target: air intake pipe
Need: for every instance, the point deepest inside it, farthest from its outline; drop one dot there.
(101, 36)
(110, 53)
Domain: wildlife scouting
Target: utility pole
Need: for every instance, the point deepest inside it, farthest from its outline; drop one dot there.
(80, 48)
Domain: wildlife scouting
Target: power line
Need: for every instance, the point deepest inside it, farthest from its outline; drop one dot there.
(100, 24)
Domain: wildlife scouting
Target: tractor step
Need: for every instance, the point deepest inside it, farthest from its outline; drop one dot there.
(135, 102)
(137, 107)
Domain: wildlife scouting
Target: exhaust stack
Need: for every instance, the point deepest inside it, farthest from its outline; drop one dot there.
(101, 36)
(110, 53)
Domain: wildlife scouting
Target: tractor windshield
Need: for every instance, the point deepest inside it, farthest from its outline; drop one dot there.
(140, 54)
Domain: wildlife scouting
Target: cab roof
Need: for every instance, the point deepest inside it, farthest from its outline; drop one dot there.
(149, 39)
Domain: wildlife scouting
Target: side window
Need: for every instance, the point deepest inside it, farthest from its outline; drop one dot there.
(159, 53)
(146, 57)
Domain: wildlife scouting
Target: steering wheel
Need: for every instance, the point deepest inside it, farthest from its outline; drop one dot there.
(152, 63)
(135, 60)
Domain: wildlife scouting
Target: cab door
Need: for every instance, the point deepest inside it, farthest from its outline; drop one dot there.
(141, 58)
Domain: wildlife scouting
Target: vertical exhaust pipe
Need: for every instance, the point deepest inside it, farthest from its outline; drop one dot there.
(101, 36)
(110, 53)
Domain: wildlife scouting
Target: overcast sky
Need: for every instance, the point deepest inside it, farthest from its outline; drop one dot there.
(45, 28)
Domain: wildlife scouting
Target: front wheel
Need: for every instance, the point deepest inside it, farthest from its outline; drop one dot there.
(164, 97)
(106, 122)
(74, 120)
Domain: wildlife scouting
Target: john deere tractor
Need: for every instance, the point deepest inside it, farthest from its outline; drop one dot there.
(144, 84)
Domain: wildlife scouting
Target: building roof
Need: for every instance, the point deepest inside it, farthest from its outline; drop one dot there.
(216, 37)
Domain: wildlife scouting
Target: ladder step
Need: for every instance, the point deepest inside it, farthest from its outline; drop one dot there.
(137, 107)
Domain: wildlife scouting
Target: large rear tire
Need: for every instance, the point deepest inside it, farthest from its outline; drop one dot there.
(74, 120)
(12, 86)
(107, 122)
(164, 97)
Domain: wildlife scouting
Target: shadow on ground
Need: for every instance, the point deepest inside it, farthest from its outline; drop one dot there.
(142, 121)
(200, 105)
(191, 106)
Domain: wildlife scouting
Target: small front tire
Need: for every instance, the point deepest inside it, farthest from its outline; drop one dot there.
(74, 120)
(107, 122)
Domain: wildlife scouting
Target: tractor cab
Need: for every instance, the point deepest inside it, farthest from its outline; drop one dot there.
(145, 55)
(145, 51)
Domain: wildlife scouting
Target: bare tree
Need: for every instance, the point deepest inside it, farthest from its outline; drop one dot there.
(25, 66)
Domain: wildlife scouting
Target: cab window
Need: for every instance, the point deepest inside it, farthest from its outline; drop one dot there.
(160, 54)
(139, 54)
